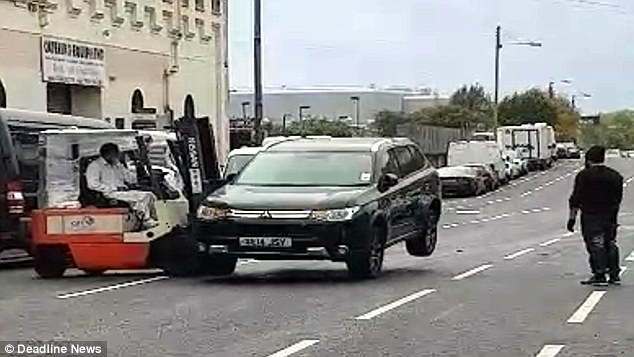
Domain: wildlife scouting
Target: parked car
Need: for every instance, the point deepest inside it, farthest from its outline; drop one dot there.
(238, 159)
(478, 153)
(492, 181)
(613, 153)
(462, 181)
(339, 199)
(523, 166)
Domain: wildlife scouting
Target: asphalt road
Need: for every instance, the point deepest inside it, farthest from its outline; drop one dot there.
(503, 282)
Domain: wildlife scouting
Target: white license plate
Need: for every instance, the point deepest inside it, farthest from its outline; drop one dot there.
(268, 242)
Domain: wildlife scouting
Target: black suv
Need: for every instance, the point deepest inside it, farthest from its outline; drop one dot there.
(341, 199)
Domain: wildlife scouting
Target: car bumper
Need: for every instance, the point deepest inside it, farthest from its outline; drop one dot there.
(310, 240)
(457, 189)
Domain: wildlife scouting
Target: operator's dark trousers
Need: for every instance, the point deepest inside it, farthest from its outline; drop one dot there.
(599, 234)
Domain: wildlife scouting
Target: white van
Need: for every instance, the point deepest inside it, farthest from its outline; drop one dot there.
(485, 153)
(533, 142)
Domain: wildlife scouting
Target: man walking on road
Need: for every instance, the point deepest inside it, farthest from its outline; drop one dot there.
(598, 192)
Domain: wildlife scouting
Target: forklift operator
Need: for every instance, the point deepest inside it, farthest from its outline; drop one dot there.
(108, 176)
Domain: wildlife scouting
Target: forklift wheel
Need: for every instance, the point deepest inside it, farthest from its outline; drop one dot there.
(181, 256)
(50, 261)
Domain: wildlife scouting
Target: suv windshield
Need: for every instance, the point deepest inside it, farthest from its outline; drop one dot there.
(308, 169)
(237, 163)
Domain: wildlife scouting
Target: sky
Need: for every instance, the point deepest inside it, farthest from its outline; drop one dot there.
(442, 44)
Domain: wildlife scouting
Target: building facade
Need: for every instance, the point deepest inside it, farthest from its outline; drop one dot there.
(118, 60)
(333, 103)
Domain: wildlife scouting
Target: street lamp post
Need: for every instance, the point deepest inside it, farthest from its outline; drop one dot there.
(357, 106)
(244, 110)
(257, 69)
(498, 47)
(301, 115)
(284, 117)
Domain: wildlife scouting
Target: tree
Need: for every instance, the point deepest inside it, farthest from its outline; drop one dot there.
(473, 97)
(532, 106)
(386, 122)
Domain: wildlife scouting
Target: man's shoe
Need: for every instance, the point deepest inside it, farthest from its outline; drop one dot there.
(615, 280)
(596, 281)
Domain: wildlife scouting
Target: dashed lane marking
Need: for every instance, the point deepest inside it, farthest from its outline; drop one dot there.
(393, 305)
(550, 350)
(111, 287)
(630, 258)
(586, 308)
(547, 243)
(472, 272)
(468, 212)
(570, 234)
(517, 254)
(302, 345)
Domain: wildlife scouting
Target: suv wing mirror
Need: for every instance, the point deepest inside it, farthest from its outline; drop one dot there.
(387, 181)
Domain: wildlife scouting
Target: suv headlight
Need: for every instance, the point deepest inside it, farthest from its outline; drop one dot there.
(335, 215)
(212, 213)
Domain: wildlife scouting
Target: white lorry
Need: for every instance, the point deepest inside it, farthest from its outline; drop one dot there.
(485, 153)
(532, 142)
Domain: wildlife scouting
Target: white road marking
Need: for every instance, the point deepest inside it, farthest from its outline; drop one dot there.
(393, 305)
(484, 220)
(550, 350)
(504, 215)
(446, 226)
(111, 287)
(586, 308)
(302, 345)
(498, 200)
(247, 261)
(545, 208)
(536, 210)
(552, 241)
(490, 202)
(517, 254)
(468, 212)
(472, 272)
(570, 234)
(630, 258)
(475, 221)
(526, 212)
(507, 199)
(623, 270)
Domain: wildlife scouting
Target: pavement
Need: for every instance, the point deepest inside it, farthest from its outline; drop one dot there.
(504, 281)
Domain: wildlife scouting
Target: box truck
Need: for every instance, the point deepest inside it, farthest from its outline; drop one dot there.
(534, 143)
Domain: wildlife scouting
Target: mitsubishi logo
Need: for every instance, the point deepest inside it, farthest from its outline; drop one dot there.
(266, 215)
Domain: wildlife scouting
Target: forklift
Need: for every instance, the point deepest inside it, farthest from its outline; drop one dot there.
(77, 228)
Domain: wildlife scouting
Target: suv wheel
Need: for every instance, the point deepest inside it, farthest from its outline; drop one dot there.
(216, 265)
(425, 244)
(50, 262)
(368, 262)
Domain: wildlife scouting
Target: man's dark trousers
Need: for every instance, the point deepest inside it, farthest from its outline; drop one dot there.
(599, 234)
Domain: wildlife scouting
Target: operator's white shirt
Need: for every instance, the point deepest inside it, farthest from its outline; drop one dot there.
(106, 178)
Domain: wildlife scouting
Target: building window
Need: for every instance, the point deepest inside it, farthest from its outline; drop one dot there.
(216, 6)
(3, 96)
(190, 109)
(200, 5)
(59, 98)
(137, 102)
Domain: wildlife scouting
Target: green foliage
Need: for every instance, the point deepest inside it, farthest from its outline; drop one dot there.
(468, 108)
(615, 130)
(317, 127)
(532, 106)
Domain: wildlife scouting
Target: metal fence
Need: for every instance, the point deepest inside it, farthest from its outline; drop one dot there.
(432, 140)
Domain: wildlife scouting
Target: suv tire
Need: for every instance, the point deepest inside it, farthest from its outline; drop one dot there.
(368, 262)
(50, 262)
(216, 265)
(424, 245)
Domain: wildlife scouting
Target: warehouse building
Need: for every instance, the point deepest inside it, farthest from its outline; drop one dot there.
(346, 103)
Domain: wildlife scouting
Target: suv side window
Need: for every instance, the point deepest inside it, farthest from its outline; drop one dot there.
(390, 164)
(418, 160)
(405, 160)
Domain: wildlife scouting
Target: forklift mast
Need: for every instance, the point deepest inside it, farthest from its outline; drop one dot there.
(195, 153)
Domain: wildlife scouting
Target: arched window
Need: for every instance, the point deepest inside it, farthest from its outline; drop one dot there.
(3, 96)
(137, 101)
(190, 109)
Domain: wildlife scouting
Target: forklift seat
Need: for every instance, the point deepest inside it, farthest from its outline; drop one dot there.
(92, 198)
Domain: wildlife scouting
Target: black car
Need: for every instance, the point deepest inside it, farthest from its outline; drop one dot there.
(462, 181)
(341, 199)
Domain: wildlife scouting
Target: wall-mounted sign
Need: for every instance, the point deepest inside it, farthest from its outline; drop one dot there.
(72, 62)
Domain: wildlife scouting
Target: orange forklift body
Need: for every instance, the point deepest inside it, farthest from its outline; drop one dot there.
(93, 238)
